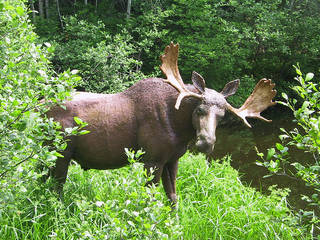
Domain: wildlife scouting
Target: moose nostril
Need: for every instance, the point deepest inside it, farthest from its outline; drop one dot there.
(202, 146)
(201, 138)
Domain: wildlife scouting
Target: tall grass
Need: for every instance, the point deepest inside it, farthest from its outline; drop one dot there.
(213, 204)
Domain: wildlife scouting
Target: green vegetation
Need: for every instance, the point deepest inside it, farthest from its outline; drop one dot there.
(25, 78)
(112, 49)
(222, 40)
(305, 138)
(114, 204)
(105, 61)
(214, 204)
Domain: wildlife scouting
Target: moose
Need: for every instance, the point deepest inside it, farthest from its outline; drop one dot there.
(160, 116)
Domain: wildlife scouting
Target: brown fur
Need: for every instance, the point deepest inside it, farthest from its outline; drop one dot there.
(143, 116)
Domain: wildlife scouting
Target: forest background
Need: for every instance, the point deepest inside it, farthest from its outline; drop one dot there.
(221, 40)
(114, 43)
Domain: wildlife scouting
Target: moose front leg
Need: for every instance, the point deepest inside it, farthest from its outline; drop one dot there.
(169, 175)
(157, 171)
(60, 174)
(60, 170)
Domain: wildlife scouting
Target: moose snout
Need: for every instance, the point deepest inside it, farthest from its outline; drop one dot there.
(205, 144)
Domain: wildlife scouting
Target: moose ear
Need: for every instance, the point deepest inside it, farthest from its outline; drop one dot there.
(230, 88)
(198, 82)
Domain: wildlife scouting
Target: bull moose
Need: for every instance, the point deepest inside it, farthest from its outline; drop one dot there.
(160, 116)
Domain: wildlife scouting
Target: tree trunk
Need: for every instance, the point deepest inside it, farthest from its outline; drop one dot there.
(33, 11)
(59, 14)
(46, 4)
(128, 8)
(41, 8)
(85, 2)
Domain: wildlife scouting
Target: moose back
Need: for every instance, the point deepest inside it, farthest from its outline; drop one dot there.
(160, 116)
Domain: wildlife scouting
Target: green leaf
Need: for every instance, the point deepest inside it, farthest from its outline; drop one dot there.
(20, 10)
(285, 96)
(50, 48)
(60, 88)
(57, 154)
(83, 132)
(74, 71)
(298, 71)
(260, 154)
(279, 146)
(131, 223)
(78, 120)
(270, 154)
(68, 130)
(309, 76)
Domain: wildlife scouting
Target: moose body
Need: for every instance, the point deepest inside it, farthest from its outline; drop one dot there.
(142, 117)
(151, 116)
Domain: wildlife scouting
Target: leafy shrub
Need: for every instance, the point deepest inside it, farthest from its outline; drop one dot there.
(224, 40)
(25, 78)
(97, 205)
(114, 68)
(147, 26)
(106, 63)
(305, 137)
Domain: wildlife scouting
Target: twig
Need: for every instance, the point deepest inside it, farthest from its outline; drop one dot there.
(22, 161)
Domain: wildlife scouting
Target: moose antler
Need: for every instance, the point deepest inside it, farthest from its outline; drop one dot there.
(258, 101)
(170, 68)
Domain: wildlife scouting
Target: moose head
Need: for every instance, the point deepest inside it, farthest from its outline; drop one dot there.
(212, 104)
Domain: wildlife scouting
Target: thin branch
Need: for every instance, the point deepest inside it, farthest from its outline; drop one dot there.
(12, 167)
(26, 109)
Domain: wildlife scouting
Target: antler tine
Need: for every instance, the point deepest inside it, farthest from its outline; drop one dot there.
(258, 101)
(170, 68)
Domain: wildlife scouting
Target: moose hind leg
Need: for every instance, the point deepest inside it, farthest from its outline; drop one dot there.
(169, 175)
(60, 172)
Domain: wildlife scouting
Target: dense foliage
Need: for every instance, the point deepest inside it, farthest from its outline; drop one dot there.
(222, 40)
(113, 45)
(306, 137)
(25, 78)
(105, 61)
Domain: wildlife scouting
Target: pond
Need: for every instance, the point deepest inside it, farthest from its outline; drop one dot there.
(239, 141)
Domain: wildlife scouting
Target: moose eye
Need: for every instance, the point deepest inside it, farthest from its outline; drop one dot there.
(201, 111)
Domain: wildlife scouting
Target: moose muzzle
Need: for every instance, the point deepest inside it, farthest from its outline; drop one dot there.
(205, 144)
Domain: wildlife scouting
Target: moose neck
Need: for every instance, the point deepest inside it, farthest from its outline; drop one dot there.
(183, 117)
(155, 99)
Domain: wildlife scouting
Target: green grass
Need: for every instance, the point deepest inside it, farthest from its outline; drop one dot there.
(213, 204)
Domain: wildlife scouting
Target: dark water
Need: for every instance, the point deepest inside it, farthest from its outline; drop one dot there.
(239, 141)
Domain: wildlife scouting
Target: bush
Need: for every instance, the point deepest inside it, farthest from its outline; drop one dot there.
(97, 205)
(225, 40)
(106, 63)
(306, 137)
(25, 78)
